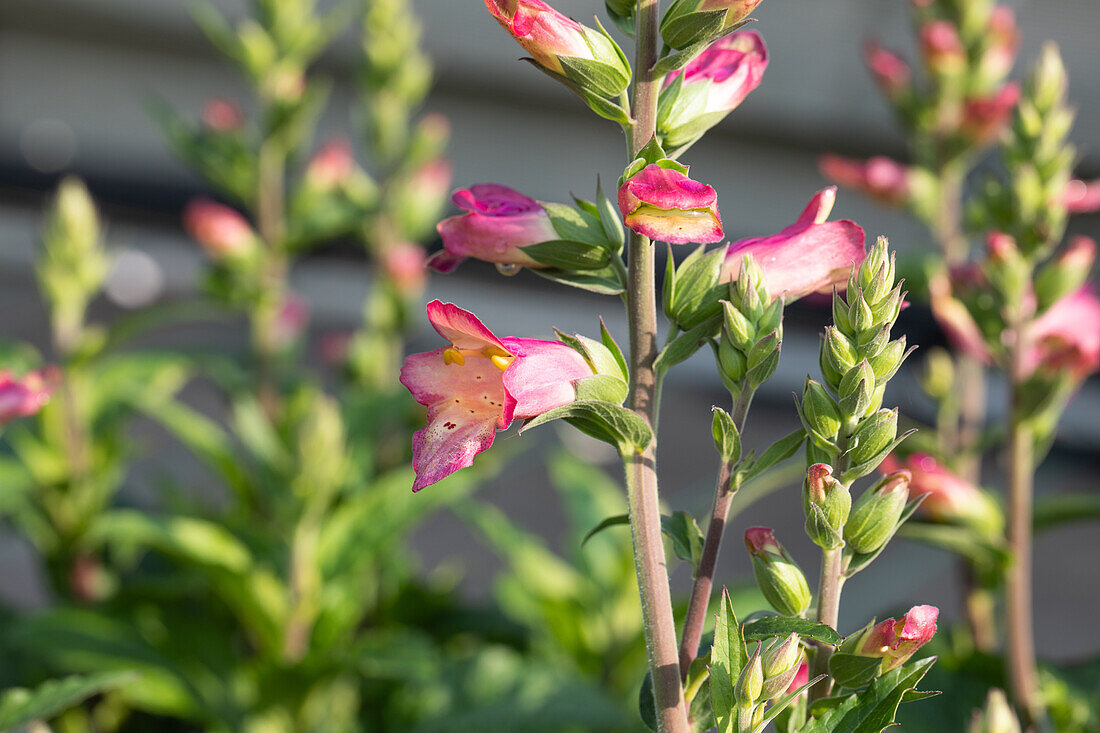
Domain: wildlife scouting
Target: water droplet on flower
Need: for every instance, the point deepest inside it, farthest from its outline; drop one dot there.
(508, 270)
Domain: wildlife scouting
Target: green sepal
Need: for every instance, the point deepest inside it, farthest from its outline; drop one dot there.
(727, 438)
(690, 30)
(728, 655)
(577, 225)
(687, 539)
(874, 709)
(602, 420)
(610, 219)
(687, 54)
(853, 671)
(601, 387)
(566, 254)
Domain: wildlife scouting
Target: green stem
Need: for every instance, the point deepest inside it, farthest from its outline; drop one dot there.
(270, 215)
(641, 467)
(828, 611)
(724, 491)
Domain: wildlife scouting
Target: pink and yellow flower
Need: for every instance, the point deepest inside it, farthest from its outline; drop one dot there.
(895, 641)
(664, 204)
(880, 177)
(498, 224)
(811, 255)
(948, 496)
(221, 231)
(478, 385)
(22, 397)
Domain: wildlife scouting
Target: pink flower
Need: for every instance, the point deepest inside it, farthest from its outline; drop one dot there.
(725, 73)
(331, 165)
(430, 182)
(943, 50)
(500, 222)
(1080, 197)
(220, 230)
(952, 315)
(880, 177)
(896, 641)
(406, 267)
(890, 71)
(1004, 42)
(478, 385)
(291, 320)
(949, 497)
(811, 255)
(222, 115)
(985, 117)
(1066, 337)
(26, 396)
(801, 677)
(664, 204)
(543, 32)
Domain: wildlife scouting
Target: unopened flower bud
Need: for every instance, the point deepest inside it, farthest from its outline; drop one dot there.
(886, 363)
(220, 230)
(997, 717)
(875, 515)
(222, 115)
(943, 50)
(779, 578)
(856, 388)
(947, 496)
(985, 117)
(23, 397)
(331, 165)
(819, 412)
(880, 177)
(731, 360)
(873, 435)
(750, 683)
(837, 356)
(686, 21)
(406, 266)
(890, 71)
(895, 641)
(827, 503)
(780, 662)
(737, 328)
(801, 677)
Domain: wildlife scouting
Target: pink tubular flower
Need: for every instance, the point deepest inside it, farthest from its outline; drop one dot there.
(23, 397)
(1066, 337)
(478, 385)
(222, 115)
(331, 165)
(890, 71)
(985, 117)
(220, 230)
(543, 32)
(949, 497)
(954, 318)
(880, 177)
(730, 68)
(811, 255)
(406, 267)
(896, 641)
(500, 222)
(1080, 197)
(665, 205)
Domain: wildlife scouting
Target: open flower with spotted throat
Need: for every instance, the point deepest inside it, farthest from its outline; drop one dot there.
(478, 385)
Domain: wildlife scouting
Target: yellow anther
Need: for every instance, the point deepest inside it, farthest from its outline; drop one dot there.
(500, 362)
(492, 351)
(453, 356)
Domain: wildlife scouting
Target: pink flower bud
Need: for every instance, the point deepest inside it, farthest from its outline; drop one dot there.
(943, 50)
(880, 177)
(985, 117)
(26, 396)
(811, 255)
(498, 224)
(331, 165)
(731, 67)
(220, 230)
(222, 115)
(1004, 41)
(761, 540)
(890, 71)
(291, 321)
(819, 478)
(664, 204)
(1001, 248)
(801, 677)
(431, 182)
(406, 267)
(897, 640)
(1080, 197)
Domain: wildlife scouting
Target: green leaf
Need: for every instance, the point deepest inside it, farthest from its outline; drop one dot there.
(1051, 511)
(685, 345)
(576, 225)
(782, 703)
(696, 293)
(602, 420)
(853, 671)
(603, 387)
(782, 626)
(727, 656)
(605, 281)
(609, 522)
(687, 539)
(874, 709)
(569, 255)
(609, 218)
(778, 452)
(19, 707)
(727, 439)
(647, 703)
(616, 352)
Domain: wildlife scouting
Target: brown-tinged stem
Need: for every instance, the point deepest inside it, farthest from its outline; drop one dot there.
(270, 219)
(1022, 671)
(704, 576)
(641, 467)
(828, 611)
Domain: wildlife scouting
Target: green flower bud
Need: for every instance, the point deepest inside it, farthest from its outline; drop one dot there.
(873, 436)
(763, 359)
(886, 364)
(731, 361)
(820, 414)
(692, 21)
(750, 683)
(779, 578)
(837, 356)
(827, 503)
(856, 389)
(859, 312)
(738, 328)
(780, 663)
(875, 515)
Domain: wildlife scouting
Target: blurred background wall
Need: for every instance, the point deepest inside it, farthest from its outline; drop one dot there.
(74, 75)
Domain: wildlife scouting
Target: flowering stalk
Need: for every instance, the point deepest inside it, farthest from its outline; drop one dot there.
(641, 467)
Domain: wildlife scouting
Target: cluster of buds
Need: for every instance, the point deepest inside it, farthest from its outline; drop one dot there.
(752, 331)
(777, 574)
(688, 22)
(768, 674)
(1031, 204)
(894, 641)
(857, 360)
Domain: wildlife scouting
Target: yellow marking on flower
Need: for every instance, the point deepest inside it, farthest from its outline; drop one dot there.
(453, 356)
(501, 362)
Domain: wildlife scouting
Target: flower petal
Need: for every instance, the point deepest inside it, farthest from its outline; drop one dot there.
(542, 375)
(461, 327)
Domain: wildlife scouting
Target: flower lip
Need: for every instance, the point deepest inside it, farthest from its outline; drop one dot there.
(664, 204)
